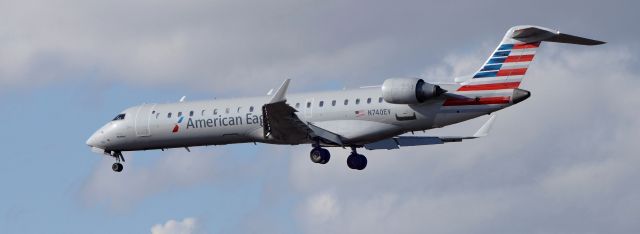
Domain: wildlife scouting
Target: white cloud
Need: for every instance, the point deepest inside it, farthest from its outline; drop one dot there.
(175, 170)
(186, 226)
(322, 207)
(560, 162)
(456, 65)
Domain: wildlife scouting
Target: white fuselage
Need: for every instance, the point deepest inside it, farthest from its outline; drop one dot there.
(360, 116)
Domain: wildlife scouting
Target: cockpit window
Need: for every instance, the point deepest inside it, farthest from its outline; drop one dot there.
(119, 117)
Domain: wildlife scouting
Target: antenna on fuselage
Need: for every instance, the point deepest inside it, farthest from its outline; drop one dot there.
(182, 98)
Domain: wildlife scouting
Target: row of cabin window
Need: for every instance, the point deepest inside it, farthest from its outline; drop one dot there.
(227, 110)
(333, 102)
(215, 112)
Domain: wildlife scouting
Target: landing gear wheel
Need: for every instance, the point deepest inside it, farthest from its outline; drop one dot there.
(320, 155)
(356, 161)
(117, 167)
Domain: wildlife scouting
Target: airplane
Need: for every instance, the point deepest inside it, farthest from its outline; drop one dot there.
(372, 118)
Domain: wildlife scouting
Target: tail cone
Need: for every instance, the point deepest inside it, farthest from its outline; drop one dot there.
(520, 95)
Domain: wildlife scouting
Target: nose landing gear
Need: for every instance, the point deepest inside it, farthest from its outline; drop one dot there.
(117, 166)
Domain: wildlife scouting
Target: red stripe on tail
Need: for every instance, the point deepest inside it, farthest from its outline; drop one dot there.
(526, 46)
(476, 101)
(519, 58)
(512, 72)
(496, 86)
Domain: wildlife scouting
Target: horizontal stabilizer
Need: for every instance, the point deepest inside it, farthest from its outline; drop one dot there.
(535, 34)
(571, 39)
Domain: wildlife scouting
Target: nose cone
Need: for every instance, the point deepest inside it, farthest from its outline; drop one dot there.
(93, 141)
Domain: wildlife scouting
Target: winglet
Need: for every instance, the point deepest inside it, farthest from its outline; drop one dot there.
(484, 130)
(279, 95)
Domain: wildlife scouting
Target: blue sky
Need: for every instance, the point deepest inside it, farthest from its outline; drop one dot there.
(561, 162)
(48, 188)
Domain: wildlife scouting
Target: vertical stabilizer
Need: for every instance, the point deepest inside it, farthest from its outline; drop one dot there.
(508, 64)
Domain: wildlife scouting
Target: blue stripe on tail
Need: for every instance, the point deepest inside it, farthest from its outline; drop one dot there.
(505, 47)
(486, 74)
(493, 67)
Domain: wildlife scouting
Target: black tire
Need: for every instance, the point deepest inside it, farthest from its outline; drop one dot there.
(357, 161)
(351, 161)
(316, 155)
(362, 162)
(117, 167)
(326, 156)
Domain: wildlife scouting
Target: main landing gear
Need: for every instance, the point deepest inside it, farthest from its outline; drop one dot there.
(354, 161)
(117, 166)
(320, 155)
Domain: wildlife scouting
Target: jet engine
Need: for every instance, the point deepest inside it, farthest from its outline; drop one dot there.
(409, 90)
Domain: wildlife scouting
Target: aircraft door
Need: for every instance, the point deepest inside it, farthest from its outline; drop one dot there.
(143, 117)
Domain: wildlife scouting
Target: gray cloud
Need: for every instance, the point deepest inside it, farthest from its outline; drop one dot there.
(561, 162)
(211, 44)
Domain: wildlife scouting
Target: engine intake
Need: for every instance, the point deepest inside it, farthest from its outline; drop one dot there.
(409, 90)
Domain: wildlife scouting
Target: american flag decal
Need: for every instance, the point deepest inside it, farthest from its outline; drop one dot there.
(360, 113)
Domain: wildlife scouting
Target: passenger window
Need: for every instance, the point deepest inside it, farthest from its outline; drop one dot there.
(251, 109)
(190, 113)
(321, 103)
(368, 100)
(202, 113)
(119, 117)
(380, 100)
(346, 101)
(357, 101)
(297, 105)
(179, 113)
(157, 115)
(169, 115)
(239, 109)
(308, 104)
(215, 111)
(226, 110)
(333, 103)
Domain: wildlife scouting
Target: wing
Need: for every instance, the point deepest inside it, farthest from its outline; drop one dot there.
(282, 124)
(403, 141)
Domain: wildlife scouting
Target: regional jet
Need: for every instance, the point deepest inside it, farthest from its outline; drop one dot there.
(371, 118)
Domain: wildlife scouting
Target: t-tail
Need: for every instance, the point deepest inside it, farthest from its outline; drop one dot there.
(508, 64)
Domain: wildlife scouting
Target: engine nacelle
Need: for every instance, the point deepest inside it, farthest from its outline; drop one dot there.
(409, 90)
